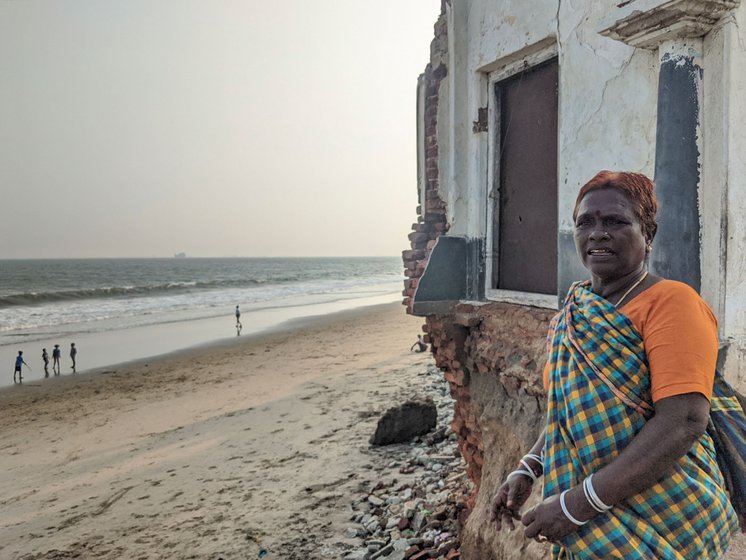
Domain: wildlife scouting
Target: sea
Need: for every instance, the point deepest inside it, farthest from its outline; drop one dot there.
(46, 302)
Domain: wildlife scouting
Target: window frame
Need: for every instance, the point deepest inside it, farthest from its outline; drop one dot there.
(549, 301)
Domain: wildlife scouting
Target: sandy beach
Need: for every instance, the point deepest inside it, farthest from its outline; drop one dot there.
(212, 453)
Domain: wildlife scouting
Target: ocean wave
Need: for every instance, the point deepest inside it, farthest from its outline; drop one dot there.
(282, 282)
(105, 314)
(103, 292)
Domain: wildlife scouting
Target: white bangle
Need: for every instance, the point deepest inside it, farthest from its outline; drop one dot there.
(535, 457)
(528, 467)
(567, 513)
(590, 500)
(592, 497)
(526, 472)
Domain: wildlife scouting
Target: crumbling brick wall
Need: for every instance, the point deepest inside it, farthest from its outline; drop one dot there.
(493, 355)
(431, 213)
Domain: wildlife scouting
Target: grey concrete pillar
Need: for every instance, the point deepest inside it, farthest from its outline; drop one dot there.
(677, 162)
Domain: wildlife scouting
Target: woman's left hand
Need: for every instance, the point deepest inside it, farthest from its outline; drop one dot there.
(547, 522)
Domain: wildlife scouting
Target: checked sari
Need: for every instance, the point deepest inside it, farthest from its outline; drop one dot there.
(599, 399)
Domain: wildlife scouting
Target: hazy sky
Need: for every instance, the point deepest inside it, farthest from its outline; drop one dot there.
(213, 127)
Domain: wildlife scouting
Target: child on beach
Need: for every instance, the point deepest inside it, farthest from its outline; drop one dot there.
(56, 353)
(45, 357)
(420, 344)
(19, 366)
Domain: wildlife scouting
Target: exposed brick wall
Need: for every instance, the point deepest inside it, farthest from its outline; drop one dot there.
(492, 356)
(494, 339)
(432, 214)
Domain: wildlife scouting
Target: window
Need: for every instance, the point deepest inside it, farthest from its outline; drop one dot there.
(522, 256)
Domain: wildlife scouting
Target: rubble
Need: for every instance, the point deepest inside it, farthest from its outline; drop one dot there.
(411, 512)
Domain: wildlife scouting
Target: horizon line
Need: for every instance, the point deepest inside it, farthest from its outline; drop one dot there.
(187, 257)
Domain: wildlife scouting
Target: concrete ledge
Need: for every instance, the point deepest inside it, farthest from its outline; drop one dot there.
(453, 273)
(647, 23)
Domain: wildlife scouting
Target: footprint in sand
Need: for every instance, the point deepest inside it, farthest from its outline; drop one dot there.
(174, 496)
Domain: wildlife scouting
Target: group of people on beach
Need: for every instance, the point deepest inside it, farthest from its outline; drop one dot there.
(56, 355)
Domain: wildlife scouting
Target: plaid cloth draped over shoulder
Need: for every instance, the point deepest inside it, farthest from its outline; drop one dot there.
(599, 399)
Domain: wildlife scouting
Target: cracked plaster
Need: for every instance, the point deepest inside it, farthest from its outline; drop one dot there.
(605, 86)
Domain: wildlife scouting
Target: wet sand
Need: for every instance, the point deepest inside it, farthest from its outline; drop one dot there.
(113, 341)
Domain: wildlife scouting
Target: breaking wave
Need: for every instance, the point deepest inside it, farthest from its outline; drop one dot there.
(107, 292)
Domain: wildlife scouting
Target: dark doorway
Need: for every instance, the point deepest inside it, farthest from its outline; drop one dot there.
(525, 212)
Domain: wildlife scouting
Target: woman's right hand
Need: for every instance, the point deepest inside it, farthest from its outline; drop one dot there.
(509, 499)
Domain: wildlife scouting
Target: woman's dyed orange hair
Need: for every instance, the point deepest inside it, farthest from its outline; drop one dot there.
(636, 186)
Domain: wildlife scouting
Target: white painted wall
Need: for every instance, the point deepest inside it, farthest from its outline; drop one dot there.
(714, 173)
(607, 120)
(480, 33)
(604, 86)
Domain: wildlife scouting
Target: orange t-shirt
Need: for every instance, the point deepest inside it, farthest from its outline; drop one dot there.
(679, 332)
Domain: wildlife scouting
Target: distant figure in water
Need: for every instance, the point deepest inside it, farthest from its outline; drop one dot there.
(239, 326)
(420, 344)
(56, 353)
(73, 353)
(45, 357)
(19, 366)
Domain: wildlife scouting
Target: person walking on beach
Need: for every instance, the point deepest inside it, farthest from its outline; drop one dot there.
(45, 357)
(239, 326)
(73, 353)
(19, 367)
(56, 354)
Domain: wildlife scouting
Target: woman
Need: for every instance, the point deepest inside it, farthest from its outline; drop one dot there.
(629, 471)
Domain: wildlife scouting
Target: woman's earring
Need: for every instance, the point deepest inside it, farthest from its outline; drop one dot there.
(648, 248)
